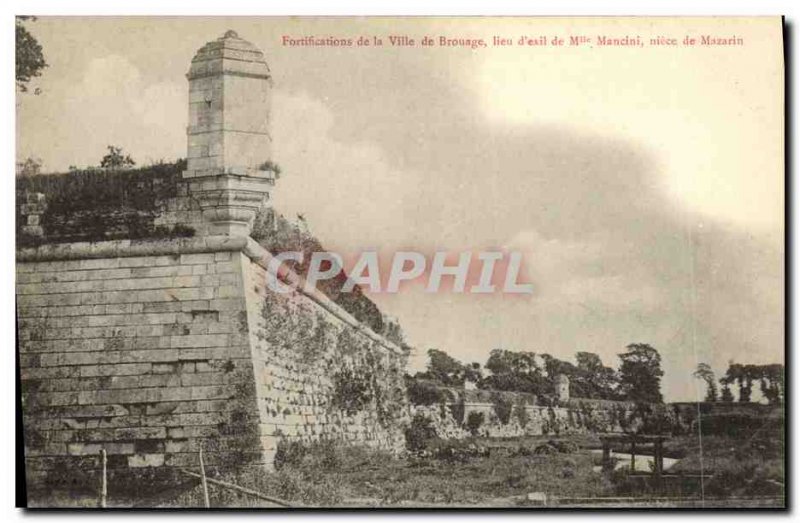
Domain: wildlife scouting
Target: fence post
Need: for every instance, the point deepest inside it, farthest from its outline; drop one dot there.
(203, 479)
(104, 485)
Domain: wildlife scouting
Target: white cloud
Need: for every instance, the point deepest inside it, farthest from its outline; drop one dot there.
(571, 273)
(349, 192)
(714, 129)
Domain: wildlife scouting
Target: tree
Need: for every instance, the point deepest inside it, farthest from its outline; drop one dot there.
(445, 369)
(594, 380)
(29, 56)
(515, 371)
(770, 378)
(750, 373)
(705, 373)
(771, 381)
(116, 160)
(743, 375)
(726, 395)
(735, 374)
(640, 373)
(473, 372)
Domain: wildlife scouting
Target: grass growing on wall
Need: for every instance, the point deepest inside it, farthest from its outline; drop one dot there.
(98, 204)
(364, 377)
(99, 188)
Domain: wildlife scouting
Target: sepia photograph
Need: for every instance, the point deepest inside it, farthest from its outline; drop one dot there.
(402, 263)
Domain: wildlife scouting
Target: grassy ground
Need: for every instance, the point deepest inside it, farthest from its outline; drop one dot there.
(494, 473)
(503, 472)
(361, 477)
(736, 466)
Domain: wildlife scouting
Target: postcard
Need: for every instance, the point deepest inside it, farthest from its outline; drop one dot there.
(368, 262)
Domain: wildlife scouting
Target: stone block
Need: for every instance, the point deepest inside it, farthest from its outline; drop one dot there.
(83, 449)
(173, 446)
(190, 259)
(145, 460)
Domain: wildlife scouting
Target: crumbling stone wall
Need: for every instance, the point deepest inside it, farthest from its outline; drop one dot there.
(451, 420)
(97, 205)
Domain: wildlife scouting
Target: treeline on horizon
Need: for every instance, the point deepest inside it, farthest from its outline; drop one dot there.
(638, 377)
(770, 378)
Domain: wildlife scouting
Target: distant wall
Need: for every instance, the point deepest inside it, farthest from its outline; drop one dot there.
(580, 416)
(729, 418)
(506, 417)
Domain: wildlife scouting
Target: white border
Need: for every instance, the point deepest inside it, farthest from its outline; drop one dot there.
(789, 8)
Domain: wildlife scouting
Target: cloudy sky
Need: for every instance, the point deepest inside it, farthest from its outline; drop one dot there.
(643, 185)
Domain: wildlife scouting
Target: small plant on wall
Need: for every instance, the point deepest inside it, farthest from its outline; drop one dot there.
(272, 167)
(295, 329)
(351, 391)
(363, 376)
(316, 341)
(367, 379)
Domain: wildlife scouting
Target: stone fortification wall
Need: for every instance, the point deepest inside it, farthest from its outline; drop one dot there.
(501, 419)
(319, 373)
(153, 350)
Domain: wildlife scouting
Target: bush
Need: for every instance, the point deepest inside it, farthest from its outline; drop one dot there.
(516, 477)
(419, 433)
(326, 455)
(474, 422)
(731, 425)
(424, 393)
(455, 451)
(296, 486)
(565, 446)
(289, 453)
(545, 449)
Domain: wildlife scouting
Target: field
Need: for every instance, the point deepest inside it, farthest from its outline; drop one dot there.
(741, 469)
(503, 473)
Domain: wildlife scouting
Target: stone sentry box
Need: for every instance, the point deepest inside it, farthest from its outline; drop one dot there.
(228, 79)
(155, 349)
(229, 142)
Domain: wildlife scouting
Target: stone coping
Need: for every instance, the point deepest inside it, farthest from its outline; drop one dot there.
(198, 245)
